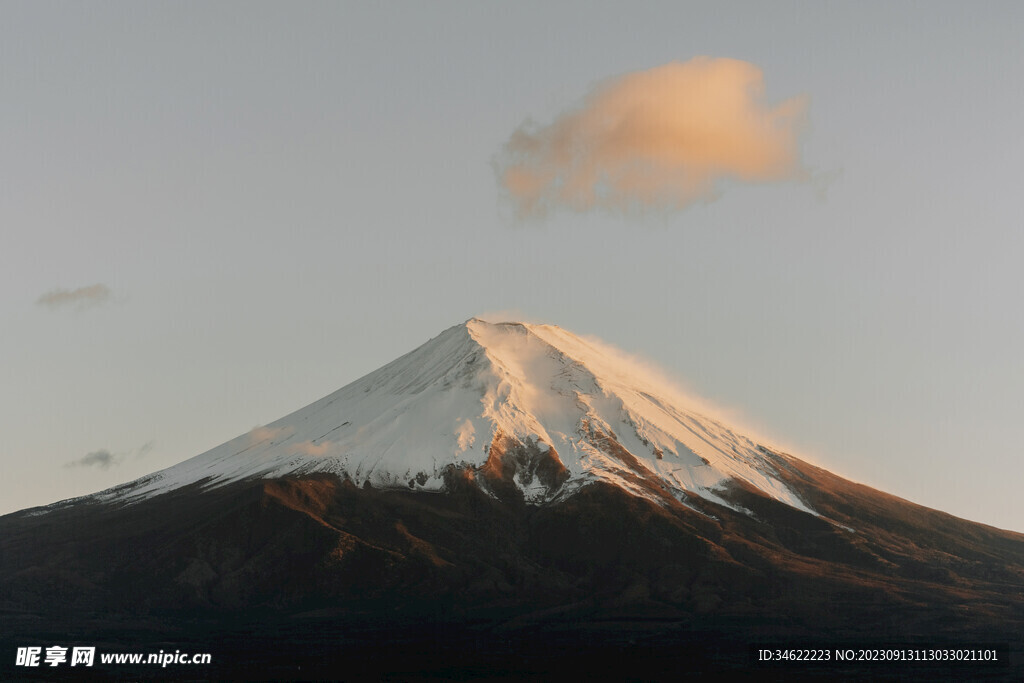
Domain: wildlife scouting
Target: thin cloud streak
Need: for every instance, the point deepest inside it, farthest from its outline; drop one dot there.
(261, 434)
(104, 459)
(83, 297)
(310, 448)
(655, 140)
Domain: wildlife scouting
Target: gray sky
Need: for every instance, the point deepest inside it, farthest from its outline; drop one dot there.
(215, 213)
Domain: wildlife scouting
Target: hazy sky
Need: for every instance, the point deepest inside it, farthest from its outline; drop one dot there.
(215, 213)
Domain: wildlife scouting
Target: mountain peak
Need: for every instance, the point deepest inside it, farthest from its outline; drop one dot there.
(618, 505)
(523, 410)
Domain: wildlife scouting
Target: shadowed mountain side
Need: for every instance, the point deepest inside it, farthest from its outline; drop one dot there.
(911, 540)
(292, 559)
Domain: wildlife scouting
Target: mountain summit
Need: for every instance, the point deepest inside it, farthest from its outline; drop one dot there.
(508, 502)
(523, 410)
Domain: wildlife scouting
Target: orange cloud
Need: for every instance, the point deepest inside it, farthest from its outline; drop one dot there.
(659, 139)
(82, 297)
(310, 448)
(258, 435)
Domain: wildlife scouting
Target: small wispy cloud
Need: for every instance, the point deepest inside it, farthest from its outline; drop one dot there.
(655, 140)
(105, 459)
(259, 435)
(507, 315)
(275, 435)
(83, 297)
(310, 448)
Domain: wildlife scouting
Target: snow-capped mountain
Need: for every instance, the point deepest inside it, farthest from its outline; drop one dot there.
(593, 524)
(533, 407)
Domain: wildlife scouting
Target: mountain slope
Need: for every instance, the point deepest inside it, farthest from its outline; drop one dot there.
(505, 502)
(284, 577)
(532, 409)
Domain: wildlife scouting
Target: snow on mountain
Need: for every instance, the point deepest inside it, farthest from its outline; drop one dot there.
(532, 407)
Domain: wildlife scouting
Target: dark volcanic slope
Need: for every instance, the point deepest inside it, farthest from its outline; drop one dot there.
(272, 575)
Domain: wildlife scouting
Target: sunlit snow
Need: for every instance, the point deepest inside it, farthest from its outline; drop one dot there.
(442, 404)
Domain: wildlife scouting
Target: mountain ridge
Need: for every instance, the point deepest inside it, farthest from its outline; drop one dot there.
(553, 400)
(566, 529)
